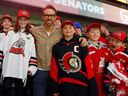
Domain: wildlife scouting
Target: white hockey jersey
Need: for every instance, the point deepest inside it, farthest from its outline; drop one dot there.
(17, 54)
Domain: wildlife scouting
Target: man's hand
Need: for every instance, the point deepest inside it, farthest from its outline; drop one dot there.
(83, 41)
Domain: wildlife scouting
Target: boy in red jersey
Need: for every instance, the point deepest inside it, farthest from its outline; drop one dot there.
(99, 52)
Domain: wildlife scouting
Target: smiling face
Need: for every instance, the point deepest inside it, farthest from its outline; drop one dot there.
(93, 34)
(68, 31)
(23, 21)
(115, 44)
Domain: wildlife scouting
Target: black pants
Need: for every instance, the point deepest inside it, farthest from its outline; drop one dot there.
(12, 87)
(68, 89)
(28, 89)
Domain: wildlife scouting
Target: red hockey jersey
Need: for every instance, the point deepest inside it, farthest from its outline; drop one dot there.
(100, 55)
(117, 73)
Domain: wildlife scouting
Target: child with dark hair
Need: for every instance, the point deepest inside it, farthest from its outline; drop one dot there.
(18, 56)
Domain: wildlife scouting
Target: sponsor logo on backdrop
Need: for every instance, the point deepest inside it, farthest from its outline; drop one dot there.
(124, 16)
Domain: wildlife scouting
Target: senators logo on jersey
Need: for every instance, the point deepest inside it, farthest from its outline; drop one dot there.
(70, 62)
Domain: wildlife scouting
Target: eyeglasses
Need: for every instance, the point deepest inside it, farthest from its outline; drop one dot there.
(49, 15)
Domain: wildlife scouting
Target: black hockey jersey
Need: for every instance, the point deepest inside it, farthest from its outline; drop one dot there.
(71, 68)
